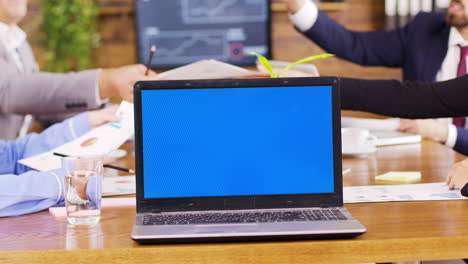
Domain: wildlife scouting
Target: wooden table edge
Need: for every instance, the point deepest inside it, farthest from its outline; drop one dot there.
(344, 251)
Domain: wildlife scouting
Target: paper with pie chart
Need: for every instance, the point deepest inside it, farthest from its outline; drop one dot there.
(102, 140)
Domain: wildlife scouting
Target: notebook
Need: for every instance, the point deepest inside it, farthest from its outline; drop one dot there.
(387, 138)
(238, 160)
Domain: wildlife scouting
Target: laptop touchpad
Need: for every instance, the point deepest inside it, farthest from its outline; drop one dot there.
(231, 228)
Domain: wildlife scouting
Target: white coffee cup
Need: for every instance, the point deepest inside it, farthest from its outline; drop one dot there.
(357, 141)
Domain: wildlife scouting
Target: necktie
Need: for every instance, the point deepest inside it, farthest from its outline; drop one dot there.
(460, 121)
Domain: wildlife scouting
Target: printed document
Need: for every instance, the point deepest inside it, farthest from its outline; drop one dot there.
(399, 193)
(100, 141)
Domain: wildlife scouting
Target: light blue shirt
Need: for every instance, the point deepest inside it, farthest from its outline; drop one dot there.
(23, 190)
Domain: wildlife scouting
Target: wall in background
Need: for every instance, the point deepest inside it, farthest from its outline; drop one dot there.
(118, 37)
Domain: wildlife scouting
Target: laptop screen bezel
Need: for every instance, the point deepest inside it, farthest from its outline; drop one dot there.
(334, 199)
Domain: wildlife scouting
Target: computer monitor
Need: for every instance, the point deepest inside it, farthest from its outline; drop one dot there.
(185, 31)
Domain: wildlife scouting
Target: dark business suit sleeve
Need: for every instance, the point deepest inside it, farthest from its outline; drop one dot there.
(364, 48)
(461, 144)
(406, 99)
(464, 190)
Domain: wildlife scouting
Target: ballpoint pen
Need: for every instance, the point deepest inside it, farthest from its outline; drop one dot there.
(150, 59)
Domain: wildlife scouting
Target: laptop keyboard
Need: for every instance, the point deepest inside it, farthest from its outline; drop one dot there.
(244, 217)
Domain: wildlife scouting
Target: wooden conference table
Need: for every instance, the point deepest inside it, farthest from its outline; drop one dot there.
(398, 231)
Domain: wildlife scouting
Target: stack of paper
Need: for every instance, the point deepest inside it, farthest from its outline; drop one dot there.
(119, 185)
(206, 69)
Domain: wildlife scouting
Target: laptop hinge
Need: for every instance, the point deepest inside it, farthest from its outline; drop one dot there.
(324, 206)
(155, 211)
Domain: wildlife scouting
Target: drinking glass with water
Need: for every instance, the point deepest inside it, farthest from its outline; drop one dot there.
(83, 190)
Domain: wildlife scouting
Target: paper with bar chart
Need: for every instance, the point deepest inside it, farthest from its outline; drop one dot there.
(398, 193)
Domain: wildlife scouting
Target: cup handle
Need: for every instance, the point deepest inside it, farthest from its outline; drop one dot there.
(372, 139)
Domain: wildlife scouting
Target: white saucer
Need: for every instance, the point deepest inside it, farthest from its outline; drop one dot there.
(117, 154)
(359, 152)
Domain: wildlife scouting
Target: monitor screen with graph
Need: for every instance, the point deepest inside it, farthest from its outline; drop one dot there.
(185, 31)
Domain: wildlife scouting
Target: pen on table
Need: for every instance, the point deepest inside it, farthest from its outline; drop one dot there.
(118, 168)
(105, 165)
(150, 59)
(60, 155)
(346, 171)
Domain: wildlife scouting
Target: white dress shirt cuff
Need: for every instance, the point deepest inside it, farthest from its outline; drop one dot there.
(59, 185)
(452, 136)
(78, 125)
(99, 101)
(305, 18)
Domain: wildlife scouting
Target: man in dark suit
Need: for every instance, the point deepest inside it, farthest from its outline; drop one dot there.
(403, 99)
(432, 47)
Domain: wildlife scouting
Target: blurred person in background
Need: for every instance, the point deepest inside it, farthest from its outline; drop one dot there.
(412, 100)
(23, 190)
(432, 47)
(22, 84)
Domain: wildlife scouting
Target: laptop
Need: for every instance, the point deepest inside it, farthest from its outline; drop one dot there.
(238, 160)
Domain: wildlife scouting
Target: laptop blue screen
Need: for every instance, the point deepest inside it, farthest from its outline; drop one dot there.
(237, 141)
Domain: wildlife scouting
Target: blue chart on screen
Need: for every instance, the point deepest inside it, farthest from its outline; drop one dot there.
(237, 141)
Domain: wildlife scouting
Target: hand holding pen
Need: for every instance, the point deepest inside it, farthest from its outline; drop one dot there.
(150, 59)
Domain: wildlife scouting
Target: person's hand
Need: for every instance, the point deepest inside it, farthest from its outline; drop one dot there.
(427, 128)
(119, 81)
(294, 5)
(103, 116)
(80, 184)
(458, 175)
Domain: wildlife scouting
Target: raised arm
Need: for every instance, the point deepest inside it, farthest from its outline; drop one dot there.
(406, 99)
(45, 93)
(365, 48)
(377, 48)
(48, 93)
(54, 136)
(33, 144)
